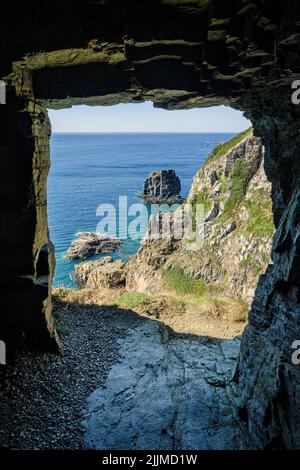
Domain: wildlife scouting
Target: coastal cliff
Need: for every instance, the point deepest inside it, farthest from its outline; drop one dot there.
(235, 193)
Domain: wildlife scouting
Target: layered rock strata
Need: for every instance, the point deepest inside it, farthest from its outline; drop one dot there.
(162, 186)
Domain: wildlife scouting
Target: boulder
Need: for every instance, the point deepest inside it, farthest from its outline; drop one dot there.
(103, 272)
(162, 186)
(90, 244)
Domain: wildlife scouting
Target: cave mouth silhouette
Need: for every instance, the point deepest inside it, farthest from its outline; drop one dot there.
(178, 55)
(60, 79)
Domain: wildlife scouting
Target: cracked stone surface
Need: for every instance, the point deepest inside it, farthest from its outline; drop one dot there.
(167, 392)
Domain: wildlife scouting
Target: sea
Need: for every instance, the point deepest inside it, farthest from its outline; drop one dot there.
(90, 171)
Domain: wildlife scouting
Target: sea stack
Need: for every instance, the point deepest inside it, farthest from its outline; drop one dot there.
(162, 186)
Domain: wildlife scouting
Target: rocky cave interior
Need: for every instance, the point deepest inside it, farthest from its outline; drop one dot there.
(178, 55)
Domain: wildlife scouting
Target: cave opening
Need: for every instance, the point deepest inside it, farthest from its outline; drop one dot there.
(93, 170)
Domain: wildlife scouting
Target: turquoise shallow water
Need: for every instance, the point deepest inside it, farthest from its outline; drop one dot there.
(92, 169)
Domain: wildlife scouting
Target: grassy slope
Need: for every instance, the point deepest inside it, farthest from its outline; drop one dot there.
(224, 148)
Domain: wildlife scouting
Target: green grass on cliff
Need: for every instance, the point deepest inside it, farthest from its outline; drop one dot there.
(252, 264)
(239, 179)
(196, 293)
(223, 182)
(131, 300)
(177, 280)
(260, 217)
(60, 293)
(202, 198)
(257, 264)
(227, 146)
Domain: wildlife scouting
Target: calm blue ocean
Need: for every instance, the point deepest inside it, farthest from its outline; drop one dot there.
(92, 169)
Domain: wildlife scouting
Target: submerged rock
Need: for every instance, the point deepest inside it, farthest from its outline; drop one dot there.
(103, 272)
(90, 244)
(162, 186)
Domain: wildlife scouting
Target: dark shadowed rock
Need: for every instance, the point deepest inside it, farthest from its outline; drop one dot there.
(90, 244)
(162, 186)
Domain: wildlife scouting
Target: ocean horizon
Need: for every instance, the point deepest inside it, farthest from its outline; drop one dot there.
(93, 168)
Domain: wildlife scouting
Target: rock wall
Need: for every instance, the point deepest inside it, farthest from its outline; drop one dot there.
(179, 55)
(268, 381)
(27, 254)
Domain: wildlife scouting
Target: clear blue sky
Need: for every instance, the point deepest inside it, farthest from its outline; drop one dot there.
(143, 117)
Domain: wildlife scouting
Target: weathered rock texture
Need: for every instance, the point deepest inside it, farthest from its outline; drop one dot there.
(167, 392)
(179, 55)
(103, 272)
(162, 186)
(238, 226)
(89, 244)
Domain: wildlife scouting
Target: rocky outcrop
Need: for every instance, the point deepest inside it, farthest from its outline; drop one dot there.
(89, 244)
(162, 186)
(238, 227)
(103, 272)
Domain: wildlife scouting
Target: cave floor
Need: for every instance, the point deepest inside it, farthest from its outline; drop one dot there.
(123, 382)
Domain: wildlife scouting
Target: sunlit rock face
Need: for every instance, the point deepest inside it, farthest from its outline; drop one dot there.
(88, 244)
(180, 55)
(238, 232)
(162, 186)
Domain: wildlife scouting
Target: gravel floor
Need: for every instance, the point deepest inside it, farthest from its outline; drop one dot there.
(42, 396)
